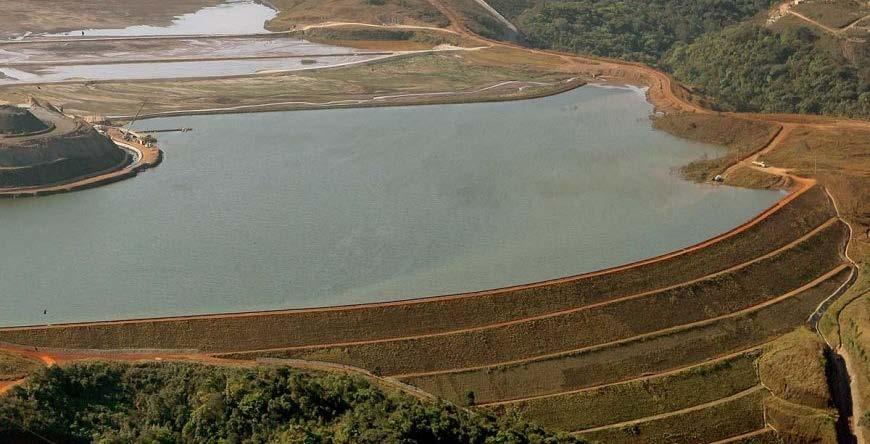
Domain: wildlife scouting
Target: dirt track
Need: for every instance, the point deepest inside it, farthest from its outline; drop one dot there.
(676, 412)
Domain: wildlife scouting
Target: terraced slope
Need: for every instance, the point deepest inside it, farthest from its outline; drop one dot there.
(646, 354)
(716, 295)
(722, 419)
(663, 350)
(644, 397)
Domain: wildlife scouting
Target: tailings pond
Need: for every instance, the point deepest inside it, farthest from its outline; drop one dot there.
(313, 208)
(231, 17)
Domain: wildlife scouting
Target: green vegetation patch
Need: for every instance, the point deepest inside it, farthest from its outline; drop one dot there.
(718, 421)
(720, 47)
(751, 68)
(14, 367)
(173, 402)
(640, 399)
(641, 30)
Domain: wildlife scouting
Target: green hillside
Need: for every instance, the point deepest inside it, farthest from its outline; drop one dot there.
(172, 402)
(726, 50)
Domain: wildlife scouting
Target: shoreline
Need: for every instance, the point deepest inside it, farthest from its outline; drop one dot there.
(798, 189)
(454, 98)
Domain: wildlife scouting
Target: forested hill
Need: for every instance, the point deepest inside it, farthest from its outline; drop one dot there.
(640, 30)
(174, 402)
(722, 48)
(750, 68)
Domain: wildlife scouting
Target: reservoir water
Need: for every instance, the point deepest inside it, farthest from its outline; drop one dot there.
(314, 208)
(232, 17)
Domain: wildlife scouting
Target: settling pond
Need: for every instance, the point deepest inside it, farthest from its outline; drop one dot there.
(314, 208)
(229, 18)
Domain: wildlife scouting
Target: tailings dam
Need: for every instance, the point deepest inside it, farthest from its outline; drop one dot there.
(317, 208)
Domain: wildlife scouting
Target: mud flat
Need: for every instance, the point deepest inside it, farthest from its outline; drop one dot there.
(41, 74)
(134, 18)
(30, 18)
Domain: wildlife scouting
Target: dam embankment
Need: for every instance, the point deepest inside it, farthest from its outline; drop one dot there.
(799, 213)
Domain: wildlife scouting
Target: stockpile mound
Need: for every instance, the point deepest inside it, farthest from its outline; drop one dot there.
(14, 120)
(42, 147)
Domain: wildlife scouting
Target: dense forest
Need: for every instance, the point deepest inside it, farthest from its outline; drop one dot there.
(172, 402)
(750, 68)
(641, 30)
(717, 46)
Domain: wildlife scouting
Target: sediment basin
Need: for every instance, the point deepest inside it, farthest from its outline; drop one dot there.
(232, 17)
(316, 208)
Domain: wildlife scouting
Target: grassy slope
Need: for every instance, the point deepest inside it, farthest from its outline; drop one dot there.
(479, 20)
(709, 298)
(839, 158)
(14, 367)
(798, 423)
(612, 364)
(742, 137)
(834, 13)
(296, 13)
(718, 422)
(639, 399)
(793, 368)
(801, 215)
